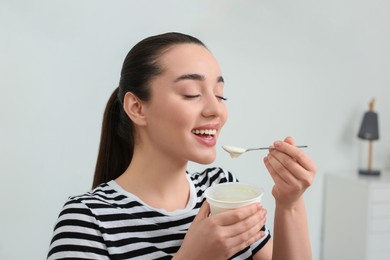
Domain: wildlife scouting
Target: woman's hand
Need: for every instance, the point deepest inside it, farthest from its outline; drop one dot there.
(222, 235)
(292, 171)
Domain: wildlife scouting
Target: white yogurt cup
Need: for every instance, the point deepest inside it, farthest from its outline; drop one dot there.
(231, 195)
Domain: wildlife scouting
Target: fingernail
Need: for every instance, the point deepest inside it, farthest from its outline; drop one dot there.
(277, 143)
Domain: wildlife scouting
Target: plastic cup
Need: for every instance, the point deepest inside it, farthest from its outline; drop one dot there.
(231, 195)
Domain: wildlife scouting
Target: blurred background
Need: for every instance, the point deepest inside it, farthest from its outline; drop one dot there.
(300, 68)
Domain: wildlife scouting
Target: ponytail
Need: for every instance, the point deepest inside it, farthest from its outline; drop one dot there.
(116, 143)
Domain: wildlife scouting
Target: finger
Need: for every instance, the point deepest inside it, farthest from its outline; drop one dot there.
(242, 227)
(275, 176)
(296, 153)
(289, 140)
(290, 171)
(246, 242)
(244, 231)
(231, 217)
(287, 167)
(203, 212)
(277, 170)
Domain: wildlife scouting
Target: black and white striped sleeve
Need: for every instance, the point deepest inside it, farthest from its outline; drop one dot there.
(76, 234)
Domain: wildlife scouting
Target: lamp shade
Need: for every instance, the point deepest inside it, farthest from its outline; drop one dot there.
(369, 129)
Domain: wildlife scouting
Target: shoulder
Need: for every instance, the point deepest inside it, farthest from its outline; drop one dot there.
(104, 194)
(78, 207)
(84, 207)
(77, 231)
(211, 176)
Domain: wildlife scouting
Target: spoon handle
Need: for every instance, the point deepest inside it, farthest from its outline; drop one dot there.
(259, 148)
(271, 147)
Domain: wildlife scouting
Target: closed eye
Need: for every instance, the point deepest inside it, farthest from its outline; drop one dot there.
(191, 96)
(221, 98)
(196, 96)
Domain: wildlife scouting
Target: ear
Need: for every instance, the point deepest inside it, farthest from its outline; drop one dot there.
(134, 108)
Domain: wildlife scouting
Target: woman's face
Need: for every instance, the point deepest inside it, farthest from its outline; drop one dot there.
(186, 111)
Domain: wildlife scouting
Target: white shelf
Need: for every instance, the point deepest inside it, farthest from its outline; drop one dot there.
(356, 217)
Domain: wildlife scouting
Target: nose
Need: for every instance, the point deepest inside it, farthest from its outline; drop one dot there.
(213, 106)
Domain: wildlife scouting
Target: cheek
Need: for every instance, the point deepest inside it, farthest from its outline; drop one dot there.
(224, 115)
(174, 116)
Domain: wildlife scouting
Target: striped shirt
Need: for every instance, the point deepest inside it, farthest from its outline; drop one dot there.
(111, 223)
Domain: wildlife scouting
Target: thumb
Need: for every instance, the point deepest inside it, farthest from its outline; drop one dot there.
(203, 212)
(289, 140)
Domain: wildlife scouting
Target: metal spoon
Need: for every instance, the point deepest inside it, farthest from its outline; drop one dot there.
(237, 151)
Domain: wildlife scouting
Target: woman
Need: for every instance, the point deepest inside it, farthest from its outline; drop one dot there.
(169, 109)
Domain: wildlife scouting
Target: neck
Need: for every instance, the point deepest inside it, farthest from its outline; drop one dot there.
(157, 180)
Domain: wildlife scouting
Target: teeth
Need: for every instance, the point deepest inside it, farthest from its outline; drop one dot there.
(206, 131)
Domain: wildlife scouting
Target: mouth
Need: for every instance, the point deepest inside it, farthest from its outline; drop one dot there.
(205, 133)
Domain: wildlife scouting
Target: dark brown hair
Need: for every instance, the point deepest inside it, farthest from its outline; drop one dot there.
(117, 134)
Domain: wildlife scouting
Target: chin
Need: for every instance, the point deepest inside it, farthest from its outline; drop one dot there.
(205, 160)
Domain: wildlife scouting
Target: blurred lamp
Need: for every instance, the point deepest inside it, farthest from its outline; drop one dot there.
(369, 130)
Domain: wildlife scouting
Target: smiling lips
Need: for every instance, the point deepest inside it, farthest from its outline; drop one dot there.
(205, 136)
(204, 131)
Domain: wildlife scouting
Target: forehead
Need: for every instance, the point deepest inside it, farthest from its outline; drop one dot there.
(188, 58)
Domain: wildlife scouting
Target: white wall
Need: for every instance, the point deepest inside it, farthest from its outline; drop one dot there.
(301, 68)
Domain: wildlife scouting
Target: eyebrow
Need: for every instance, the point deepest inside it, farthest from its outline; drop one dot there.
(196, 77)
